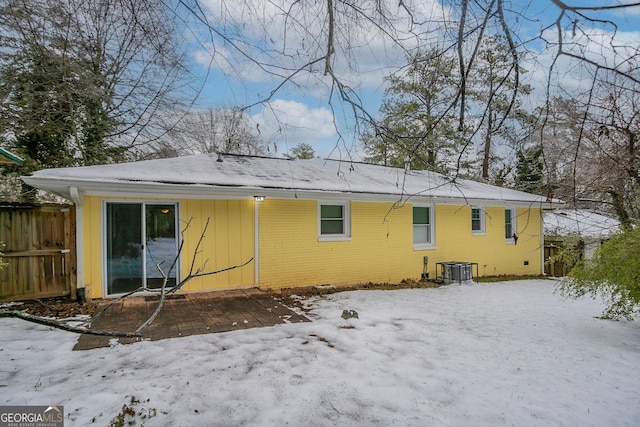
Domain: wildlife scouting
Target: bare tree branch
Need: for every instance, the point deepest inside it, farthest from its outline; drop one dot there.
(60, 325)
(163, 294)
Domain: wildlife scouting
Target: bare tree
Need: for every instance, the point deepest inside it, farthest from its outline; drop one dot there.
(328, 44)
(591, 150)
(82, 81)
(221, 130)
(615, 139)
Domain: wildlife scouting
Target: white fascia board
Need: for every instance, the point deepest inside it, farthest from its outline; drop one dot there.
(111, 188)
(534, 204)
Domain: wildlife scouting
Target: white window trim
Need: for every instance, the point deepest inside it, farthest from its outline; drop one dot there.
(346, 212)
(483, 221)
(514, 225)
(432, 223)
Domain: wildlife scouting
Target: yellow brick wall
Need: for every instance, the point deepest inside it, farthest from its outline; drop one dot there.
(381, 245)
(291, 255)
(456, 242)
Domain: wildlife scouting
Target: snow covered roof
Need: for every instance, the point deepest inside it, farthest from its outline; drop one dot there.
(584, 223)
(211, 175)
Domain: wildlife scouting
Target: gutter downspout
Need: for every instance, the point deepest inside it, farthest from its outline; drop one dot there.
(256, 243)
(77, 201)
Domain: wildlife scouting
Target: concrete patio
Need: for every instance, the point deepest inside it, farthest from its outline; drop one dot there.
(190, 314)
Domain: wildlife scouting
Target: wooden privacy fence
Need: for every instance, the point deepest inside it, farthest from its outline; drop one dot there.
(552, 266)
(39, 247)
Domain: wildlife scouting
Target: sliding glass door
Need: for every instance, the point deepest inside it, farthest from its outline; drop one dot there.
(140, 236)
(161, 243)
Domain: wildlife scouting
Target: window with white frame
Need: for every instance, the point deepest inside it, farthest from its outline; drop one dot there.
(477, 220)
(423, 231)
(510, 229)
(334, 220)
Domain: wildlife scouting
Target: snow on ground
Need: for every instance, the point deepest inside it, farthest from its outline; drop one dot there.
(511, 353)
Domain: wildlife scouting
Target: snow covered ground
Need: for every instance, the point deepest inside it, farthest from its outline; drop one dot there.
(511, 353)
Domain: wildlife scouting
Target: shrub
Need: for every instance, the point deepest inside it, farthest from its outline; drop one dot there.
(613, 273)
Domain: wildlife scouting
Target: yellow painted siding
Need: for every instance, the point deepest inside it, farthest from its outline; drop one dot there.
(92, 246)
(229, 240)
(379, 250)
(381, 245)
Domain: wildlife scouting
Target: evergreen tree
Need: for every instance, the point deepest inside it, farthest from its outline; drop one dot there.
(529, 170)
(302, 151)
(417, 124)
(55, 111)
(494, 91)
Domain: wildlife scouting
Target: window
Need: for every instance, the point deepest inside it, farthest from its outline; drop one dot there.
(477, 220)
(334, 221)
(510, 229)
(422, 227)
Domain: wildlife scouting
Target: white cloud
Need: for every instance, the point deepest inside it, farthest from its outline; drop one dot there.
(293, 123)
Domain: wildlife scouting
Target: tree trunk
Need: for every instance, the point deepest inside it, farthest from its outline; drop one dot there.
(487, 147)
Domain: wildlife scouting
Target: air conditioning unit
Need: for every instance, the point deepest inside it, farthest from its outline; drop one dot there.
(457, 272)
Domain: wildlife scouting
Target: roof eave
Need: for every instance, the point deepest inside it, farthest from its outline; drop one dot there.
(118, 188)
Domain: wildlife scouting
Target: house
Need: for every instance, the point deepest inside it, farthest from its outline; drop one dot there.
(298, 222)
(8, 158)
(586, 228)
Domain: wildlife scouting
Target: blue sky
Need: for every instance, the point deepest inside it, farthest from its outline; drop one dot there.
(299, 111)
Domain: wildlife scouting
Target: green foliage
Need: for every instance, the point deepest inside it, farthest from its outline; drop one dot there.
(417, 123)
(302, 151)
(81, 82)
(54, 99)
(133, 412)
(54, 115)
(496, 90)
(421, 125)
(571, 250)
(529, 170)
(613, 273)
